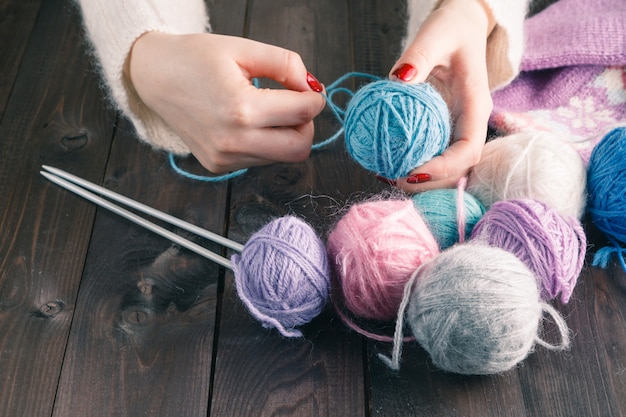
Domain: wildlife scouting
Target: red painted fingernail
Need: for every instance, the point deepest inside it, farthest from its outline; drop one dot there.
(385, 180)
(418, 178)
(405, 72)
(314, 83)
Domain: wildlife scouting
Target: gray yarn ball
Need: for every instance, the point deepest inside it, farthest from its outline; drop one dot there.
(476, 310)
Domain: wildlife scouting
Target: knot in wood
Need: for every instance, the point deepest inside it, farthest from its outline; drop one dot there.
(136, 316)
(75, 141)
(50, 309)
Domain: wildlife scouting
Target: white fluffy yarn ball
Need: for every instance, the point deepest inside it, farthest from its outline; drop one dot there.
(538, 165)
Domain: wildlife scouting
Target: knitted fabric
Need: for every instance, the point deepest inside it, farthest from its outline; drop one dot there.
(573, 78)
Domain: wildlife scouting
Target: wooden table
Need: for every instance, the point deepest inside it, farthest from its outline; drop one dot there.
(100, 317)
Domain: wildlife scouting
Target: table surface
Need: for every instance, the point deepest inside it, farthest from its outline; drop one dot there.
(99, 317)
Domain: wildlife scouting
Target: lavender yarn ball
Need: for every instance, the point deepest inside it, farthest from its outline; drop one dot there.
(391, 127)
(551, 245)
(283, 275)
(476, 310)
(439, 209)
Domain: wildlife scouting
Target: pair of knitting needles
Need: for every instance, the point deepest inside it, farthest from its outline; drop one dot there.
(84, 189)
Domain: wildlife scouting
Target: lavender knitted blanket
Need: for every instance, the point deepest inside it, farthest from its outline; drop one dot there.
(573, 74)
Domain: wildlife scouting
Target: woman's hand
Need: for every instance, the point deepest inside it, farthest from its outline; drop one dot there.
(449, 51)
(201, 86)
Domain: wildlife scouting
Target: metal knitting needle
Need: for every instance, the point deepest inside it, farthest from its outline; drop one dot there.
(138, 220)
(214, 237)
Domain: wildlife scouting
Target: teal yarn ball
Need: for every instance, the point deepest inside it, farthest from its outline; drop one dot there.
(439, 210)
(391, 128)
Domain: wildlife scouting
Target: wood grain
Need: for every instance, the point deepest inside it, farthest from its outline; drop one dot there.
(45, 232)
(17, 18)
(148, 307)
(99, 317)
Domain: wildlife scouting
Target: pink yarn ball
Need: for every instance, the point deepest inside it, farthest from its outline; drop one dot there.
(551, 245)
(374, 248)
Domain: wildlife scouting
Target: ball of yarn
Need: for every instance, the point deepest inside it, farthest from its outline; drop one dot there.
(476, 310)
(552, 246)
(391, 128)
(283, 275)
(374, 249)
(535, 165)
(439, 210)
(606, 185)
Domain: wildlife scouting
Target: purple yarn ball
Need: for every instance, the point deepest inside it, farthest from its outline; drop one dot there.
(549, 244)
(283, 275)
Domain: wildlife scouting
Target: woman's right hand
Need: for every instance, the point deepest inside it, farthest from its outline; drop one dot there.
(201, 86)
(449, 51)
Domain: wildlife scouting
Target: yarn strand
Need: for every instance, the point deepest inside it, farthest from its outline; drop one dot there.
(388, 127)
(460, 208)
(337, 111)
(602, 258)
(396, 352)
(562, 326)
(204, 178)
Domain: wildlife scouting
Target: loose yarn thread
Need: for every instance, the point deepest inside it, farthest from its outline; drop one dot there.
(283, 275)
(606, 183)
(535, 165)
(551, 246)
(476, 310)
(390, 127)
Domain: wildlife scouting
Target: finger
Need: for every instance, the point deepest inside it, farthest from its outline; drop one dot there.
(264, 146)
(445, 170)
(284, 108)
(284, 144)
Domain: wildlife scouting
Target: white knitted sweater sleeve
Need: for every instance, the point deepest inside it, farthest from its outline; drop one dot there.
(112, 26)
(505, 45)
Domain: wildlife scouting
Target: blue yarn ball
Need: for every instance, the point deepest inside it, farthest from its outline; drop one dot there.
(606, 185)
(439, 210)
(391, 127)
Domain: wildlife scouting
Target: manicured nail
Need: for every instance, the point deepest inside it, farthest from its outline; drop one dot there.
(314, 83)
(385, 180)
(418, 178)
(405, 72)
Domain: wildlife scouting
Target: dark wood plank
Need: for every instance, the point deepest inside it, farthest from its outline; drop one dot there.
(147, 308)
(153, 329)
(258, 372)
(143, 331)
(588, 379)
(54, 116)
(227, 17)
(17, 18)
